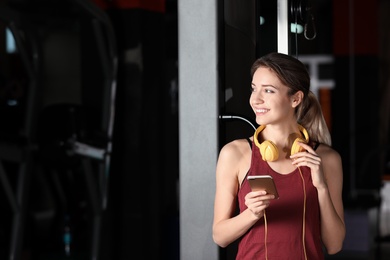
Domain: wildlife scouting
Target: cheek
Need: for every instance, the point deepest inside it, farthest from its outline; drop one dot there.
(285, 105)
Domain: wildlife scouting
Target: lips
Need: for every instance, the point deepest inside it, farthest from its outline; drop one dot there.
(261, 110)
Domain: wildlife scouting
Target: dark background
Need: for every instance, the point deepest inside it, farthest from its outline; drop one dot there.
(142, 214)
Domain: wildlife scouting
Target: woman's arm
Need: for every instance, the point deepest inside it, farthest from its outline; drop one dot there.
(327, 175)
(331, 204)
(234, 161)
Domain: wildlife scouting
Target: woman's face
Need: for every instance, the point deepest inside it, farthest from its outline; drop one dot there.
(269, 99)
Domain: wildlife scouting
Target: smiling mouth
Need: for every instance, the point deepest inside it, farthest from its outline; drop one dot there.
(261, 110)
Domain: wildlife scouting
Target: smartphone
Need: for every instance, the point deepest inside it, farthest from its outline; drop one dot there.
(263, 182)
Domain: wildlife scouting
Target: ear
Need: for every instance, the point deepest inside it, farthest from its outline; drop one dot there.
(297, 98)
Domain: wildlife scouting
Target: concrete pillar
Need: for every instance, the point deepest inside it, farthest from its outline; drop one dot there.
(198, 121)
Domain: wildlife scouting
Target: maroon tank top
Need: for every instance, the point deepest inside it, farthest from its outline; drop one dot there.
(284, 217)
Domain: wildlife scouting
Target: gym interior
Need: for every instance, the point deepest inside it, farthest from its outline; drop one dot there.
(113, 112)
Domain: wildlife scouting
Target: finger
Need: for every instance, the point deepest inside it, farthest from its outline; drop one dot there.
(254, 194)
(306, 162)
(306, 155)
(307, 148)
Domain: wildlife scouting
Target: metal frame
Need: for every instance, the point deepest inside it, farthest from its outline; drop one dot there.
(23, 153)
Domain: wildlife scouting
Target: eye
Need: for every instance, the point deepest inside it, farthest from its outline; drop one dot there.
(269, 90)
(251, 89)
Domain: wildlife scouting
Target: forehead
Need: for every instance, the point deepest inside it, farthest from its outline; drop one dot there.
(264, 75)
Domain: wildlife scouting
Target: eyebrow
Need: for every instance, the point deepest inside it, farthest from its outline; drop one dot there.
(272, 86)
(265, 85)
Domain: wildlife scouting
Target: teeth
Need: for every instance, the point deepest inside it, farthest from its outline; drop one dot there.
(261, 110)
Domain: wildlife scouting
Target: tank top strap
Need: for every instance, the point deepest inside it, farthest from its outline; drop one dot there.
(315, 145)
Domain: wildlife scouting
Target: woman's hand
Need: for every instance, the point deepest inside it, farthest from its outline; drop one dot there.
(312, 160)
(257, 201)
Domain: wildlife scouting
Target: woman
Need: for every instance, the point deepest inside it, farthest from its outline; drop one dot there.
(293, 145)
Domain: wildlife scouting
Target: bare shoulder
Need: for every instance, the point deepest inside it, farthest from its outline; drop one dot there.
(235, 149)
(328, 154)
(331, 161)
(234, 159)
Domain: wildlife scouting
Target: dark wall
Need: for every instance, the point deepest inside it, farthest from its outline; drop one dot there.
(356, 98)
(142, 213)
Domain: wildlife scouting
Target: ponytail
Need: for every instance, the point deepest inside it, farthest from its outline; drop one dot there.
(309, 114)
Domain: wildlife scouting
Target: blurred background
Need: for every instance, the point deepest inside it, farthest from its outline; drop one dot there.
(89, 109)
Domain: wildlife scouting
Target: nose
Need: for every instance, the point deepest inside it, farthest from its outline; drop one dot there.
(257, 97)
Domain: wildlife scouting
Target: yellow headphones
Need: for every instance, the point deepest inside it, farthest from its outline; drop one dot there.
(269, 151)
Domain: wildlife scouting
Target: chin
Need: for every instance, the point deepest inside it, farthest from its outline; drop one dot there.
(260, 122)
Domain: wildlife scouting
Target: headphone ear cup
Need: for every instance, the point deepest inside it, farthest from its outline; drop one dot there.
(296, 148)
(269, 152)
